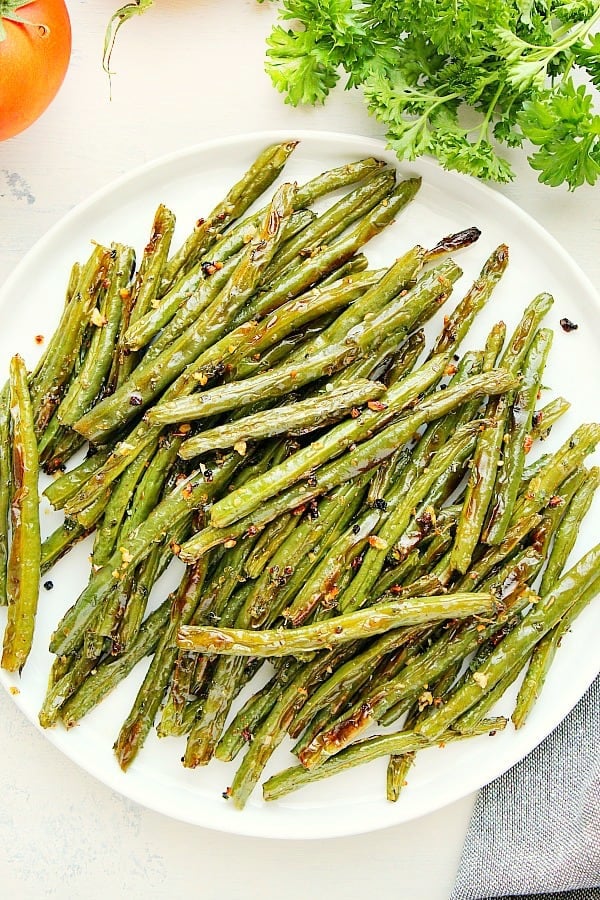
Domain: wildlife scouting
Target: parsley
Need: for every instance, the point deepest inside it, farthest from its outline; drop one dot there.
(455, 79)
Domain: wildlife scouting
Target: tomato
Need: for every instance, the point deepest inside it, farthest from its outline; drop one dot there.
(33, 61)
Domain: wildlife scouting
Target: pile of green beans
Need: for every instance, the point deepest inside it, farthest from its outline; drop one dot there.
(356, 518)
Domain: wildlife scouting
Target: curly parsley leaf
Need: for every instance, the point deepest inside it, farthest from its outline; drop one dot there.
(423, 63)
(567, 131)
(588, 56)
(300, 66)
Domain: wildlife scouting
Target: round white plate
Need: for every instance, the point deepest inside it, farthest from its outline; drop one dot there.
(191, 182)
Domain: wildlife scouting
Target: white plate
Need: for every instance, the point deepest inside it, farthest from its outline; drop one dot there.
(190, 182)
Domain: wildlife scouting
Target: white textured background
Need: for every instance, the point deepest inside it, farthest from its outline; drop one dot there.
(189, 70)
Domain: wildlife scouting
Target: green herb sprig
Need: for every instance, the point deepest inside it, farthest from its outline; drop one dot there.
(423, 63)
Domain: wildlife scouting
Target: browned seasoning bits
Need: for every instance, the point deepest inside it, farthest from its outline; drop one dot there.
(567, 325)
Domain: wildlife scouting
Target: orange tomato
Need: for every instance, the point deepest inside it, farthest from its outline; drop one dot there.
(33, 61)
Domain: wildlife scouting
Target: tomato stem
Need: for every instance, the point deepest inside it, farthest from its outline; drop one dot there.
(132, 8)
(8, 11)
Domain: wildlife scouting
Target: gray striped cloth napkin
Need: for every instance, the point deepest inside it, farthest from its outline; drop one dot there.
(535, 831)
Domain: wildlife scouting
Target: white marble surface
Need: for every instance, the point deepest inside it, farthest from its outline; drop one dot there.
(186, 71)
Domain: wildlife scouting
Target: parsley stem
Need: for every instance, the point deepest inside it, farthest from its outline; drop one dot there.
(484, 127)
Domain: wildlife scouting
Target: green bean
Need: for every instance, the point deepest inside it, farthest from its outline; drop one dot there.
(116, 509)
(473, 716)
(5, 489)
(317, 267)
(323, 585)
(53, 345)
(405, 686)
(60, 666)
(334, 221)
(294, 418)
(226, 680)
(517, 645)
(508, 478)
(568, 529)
(87, 385)
(201, 294)
(355, 265)
(268, 543)
(560, 465)
(402, 476)
(273, 356)
(495, 555)
(273, 729)
(60, 542)
(404, 360)
(155, 478)
(193, 709)
(254, 711)
(62, 445)
(192, 494)
(150, 695)
(304, 547)
(462, 444)
(237, 349)
(400, 765)
(227, 675)
(493, 346)
(49, 384)
(430, 559)
(339, 177)
(487, 454)
(377, 619)
(407, 268)
(366, 456)
(23, 569)
(545, 418)
(62, 688)
(66, 485)
(412, 562)
(365, 751)
(387, 669)
(190, 670)
(142, 436)
(399, 276)
(458, 323)
(480, 486)
(457, 241)
(124, 610)
(208, 728)
(398, 768)
(333, 693)
(543, 655)
(117, 410)
(384, 476)
(194, 295)
(289, 376)
(193, 291)
(327, 447)
(533, 469)
(308, 274)
(147, 281)
(111, 672)
(71, 677)
(149, 572)
(261, 174)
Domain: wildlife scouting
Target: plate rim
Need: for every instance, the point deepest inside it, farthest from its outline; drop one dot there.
(241, 825)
